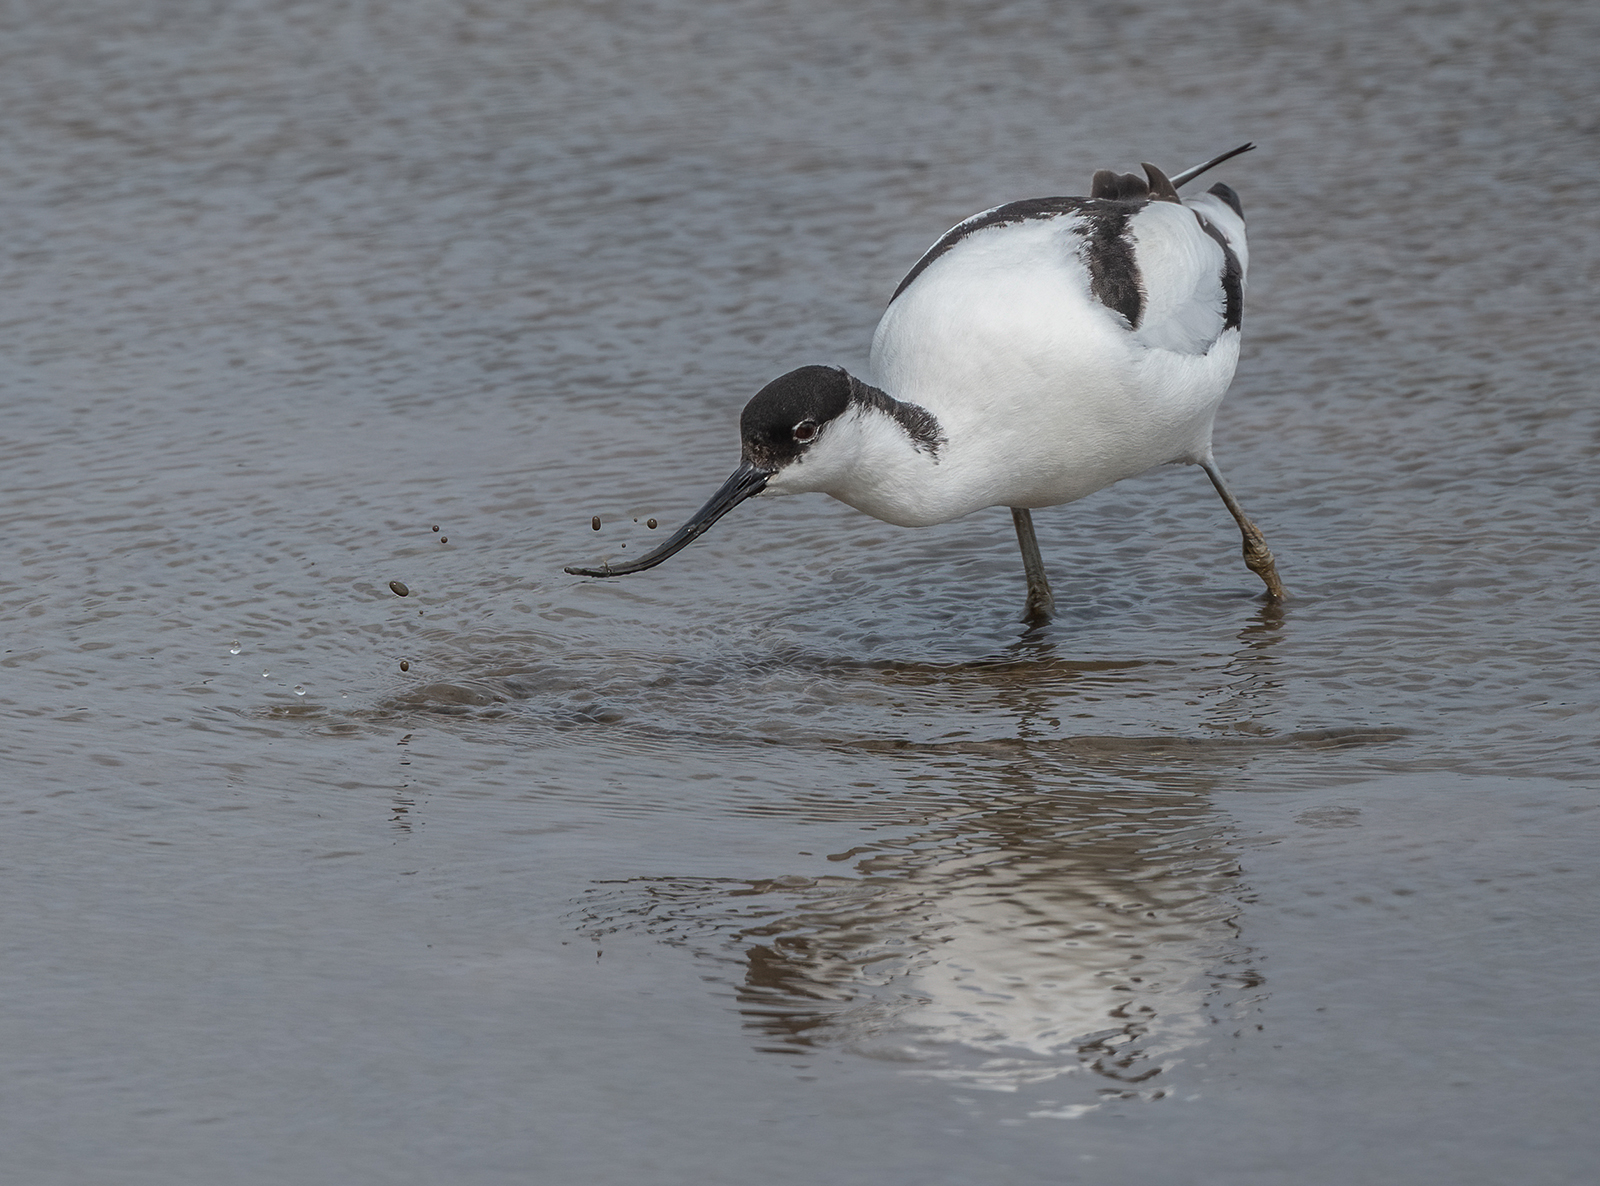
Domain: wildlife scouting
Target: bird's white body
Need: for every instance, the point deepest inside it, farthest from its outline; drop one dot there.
(1038, 352)
(1042, 391)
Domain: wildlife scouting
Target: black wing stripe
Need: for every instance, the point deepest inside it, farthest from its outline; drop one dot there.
(1232, 278)
(1108, 250)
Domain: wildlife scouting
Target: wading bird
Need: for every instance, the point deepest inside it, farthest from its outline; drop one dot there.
(1036, 353)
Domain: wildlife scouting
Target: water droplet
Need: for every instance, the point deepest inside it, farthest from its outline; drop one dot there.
(299, 690)
(266, 675)
(595, 522)
(650, 523)
(436, 527)
(404, 666)
(444, 539)
(399, 587)
(234, 648)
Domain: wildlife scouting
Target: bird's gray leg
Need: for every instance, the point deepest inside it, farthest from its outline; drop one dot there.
(1040, 606)
(1257, 556)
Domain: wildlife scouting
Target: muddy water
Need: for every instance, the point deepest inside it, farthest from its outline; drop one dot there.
(797, 859)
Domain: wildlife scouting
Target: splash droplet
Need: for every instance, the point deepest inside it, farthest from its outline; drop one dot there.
(234, 648)
(405, 666)
(299, 690)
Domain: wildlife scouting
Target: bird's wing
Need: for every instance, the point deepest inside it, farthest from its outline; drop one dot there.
(1011, 213)
(1174, 270)
(1191, 260)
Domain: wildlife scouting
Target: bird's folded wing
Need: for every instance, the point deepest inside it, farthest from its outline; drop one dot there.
(1190, 260)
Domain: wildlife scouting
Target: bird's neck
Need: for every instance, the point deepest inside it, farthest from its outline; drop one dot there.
(921, 428)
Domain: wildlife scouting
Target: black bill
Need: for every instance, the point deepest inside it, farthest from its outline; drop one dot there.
(746, 481)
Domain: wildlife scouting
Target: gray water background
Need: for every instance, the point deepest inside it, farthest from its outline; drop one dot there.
(795, 860)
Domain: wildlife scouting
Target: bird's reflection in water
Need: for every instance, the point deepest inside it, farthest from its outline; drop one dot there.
(1030, 928)
(1250, 679)
(1025, 906)
(1034, 940)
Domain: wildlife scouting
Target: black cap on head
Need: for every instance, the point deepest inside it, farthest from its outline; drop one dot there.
(785, 416)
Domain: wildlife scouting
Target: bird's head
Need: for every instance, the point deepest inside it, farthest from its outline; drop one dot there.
(785, 446)
(790, 430)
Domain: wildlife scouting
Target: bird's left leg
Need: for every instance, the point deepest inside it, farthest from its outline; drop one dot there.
(1257, 556)
(1040, 606)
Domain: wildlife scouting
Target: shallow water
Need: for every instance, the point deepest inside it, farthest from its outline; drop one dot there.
(797, 858)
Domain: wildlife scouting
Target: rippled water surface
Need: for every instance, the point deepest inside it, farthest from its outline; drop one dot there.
(798, 859)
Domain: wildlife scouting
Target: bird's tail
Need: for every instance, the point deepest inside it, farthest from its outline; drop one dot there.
(1191, 173)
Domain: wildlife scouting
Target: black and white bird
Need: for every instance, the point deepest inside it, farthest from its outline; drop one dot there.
(1036, 353)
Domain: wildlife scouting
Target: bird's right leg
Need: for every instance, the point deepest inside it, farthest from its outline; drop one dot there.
(1257, 556)
(1040, 606)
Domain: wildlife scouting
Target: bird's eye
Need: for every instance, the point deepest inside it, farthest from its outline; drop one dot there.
(806, 430)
